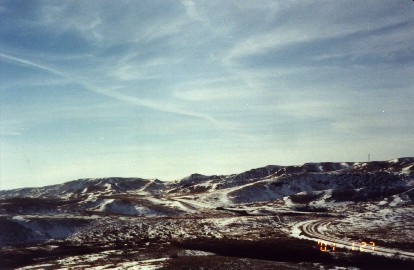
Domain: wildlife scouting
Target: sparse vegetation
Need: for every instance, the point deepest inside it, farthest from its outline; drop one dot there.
(305, 198)
(250, 221)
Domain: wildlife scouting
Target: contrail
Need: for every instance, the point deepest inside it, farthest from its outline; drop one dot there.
(149, 104)
(109, 93)
(32, 64)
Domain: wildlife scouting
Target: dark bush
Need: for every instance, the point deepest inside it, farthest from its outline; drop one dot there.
(305, 198)
(308, 208)
(286, 249)
(365, 194)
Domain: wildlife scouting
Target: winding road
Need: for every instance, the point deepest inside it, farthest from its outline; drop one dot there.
(315, 230)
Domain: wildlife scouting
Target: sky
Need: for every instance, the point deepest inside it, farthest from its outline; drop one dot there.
(164, 89)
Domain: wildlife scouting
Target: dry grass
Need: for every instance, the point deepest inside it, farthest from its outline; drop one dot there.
(221, 262)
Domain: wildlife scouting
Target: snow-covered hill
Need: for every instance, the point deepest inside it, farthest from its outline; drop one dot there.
(78, 188)
(338, 181)
(373, 179)
(94, 216)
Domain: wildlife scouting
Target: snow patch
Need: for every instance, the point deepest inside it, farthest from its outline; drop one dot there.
(103, 205)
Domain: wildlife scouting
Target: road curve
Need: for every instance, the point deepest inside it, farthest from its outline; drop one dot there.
(312, 230)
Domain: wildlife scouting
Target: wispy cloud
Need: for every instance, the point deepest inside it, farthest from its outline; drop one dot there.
(146, 69)
(165, 107)
(222, 88)
(10, 133)
(211, 94)
(314, 30)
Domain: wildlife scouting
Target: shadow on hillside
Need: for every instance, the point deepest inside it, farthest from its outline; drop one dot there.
(294, 250)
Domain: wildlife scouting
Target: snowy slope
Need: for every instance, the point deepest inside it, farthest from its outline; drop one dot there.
(79, 188)
(346, 181)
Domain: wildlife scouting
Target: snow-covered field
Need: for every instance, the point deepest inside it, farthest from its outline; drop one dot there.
(133, 223)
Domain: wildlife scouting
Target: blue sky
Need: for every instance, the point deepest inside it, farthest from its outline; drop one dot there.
(163, 89)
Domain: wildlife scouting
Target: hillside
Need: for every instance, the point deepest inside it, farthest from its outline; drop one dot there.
(104, 218)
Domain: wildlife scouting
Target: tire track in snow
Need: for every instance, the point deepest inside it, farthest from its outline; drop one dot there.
(312, 230)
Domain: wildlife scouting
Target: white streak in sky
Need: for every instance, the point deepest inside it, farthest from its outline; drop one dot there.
(116, 95)
(32, 64)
